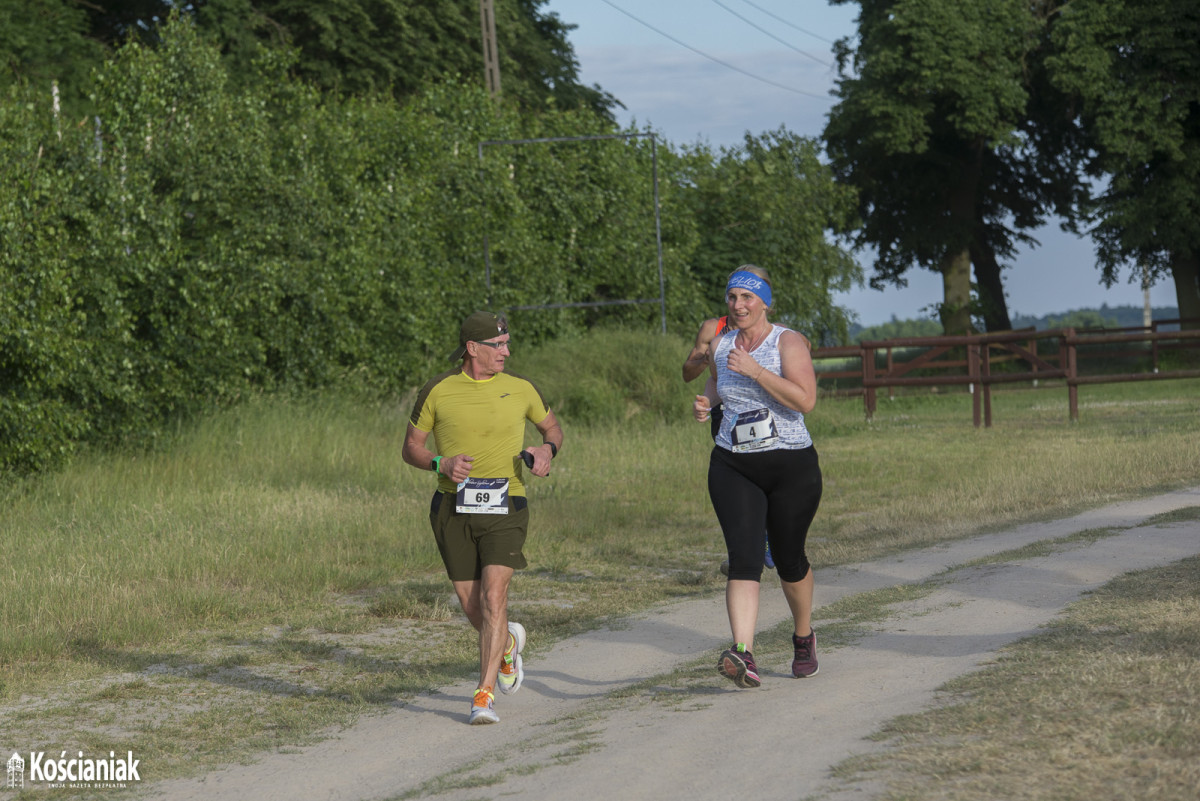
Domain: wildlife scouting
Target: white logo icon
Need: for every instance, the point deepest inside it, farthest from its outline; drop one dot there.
(16, 771)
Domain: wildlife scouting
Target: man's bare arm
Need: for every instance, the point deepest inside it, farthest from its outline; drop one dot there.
(697, 361)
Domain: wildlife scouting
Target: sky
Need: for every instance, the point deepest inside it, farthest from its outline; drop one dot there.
(714, 70)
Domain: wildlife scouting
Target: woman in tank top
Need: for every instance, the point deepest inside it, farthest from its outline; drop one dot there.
(763, 472)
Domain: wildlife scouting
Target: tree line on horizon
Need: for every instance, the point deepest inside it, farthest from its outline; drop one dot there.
(1111, 317)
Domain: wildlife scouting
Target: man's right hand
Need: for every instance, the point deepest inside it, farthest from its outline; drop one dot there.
(457, 468)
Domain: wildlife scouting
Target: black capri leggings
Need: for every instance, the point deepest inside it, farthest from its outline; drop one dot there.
(777, 491)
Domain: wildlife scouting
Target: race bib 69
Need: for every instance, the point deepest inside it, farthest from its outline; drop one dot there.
(482, 496)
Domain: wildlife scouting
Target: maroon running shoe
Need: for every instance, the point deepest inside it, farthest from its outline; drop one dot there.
(804, 663)
(737, 665)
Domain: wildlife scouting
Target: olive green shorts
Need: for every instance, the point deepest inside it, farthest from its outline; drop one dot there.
(467, 542)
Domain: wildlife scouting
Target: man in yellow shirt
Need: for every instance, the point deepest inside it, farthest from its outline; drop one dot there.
(477, 412)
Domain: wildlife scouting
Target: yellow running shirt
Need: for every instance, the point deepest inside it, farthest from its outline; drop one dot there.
(483, 419)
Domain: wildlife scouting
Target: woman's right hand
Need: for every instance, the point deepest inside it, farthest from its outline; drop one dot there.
(701, 408)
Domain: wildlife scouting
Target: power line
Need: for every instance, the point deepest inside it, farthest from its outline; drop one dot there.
(725, 64)
(773, 36)
(785, 22)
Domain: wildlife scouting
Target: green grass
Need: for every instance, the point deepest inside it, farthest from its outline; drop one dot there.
(265, 576)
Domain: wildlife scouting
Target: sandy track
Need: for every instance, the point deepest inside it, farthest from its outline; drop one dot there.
(564, 737)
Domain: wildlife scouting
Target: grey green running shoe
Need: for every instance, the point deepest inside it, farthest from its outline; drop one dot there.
(512, 668)
(482, 710)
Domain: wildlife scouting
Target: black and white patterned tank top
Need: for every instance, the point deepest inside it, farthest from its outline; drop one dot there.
(753, 419)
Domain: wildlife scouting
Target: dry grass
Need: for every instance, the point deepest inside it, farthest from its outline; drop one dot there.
(1102, 706)
(268, 575)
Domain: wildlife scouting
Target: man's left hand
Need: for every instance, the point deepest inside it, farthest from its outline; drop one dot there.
(541, 459)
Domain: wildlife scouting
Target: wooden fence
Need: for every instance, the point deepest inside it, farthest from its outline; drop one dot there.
(968, 360)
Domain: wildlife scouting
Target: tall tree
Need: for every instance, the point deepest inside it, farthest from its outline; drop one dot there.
(771, 202)
(396, 47)
(934, 128)
(45, 42)
(1136, 67)
(112, 22)
(403, 46)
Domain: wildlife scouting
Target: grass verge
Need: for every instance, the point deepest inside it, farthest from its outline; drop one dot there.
(1100, 706)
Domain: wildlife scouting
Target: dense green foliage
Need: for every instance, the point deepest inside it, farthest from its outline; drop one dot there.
(46, 41)
(965, 124)
(776, 199)
(936, 127)
(402, 47)
(587, 384)
(397, 48)
(200, 239)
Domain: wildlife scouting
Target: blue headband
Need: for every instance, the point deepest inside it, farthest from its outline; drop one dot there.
(746, 280)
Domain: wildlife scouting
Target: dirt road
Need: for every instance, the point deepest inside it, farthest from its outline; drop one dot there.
(567, 735)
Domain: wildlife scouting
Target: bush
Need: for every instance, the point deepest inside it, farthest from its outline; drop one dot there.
(608, 376)
(198, 242)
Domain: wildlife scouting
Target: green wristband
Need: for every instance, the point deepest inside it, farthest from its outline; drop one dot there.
(436, 465)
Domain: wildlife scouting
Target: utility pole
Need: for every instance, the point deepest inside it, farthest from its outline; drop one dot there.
(1147, 312)
(491, 60)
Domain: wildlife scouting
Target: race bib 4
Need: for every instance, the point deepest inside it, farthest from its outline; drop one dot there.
(753, 430)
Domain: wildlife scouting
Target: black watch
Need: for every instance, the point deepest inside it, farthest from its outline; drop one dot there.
(553, 449)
